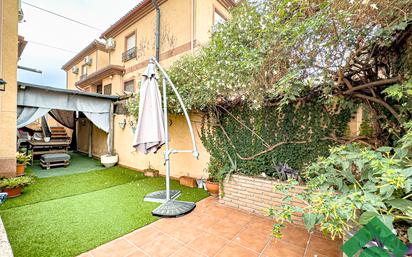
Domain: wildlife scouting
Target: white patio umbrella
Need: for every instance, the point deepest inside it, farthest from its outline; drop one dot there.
(149, 136)
(152, 132)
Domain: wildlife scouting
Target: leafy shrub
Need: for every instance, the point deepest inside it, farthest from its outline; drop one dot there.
(11, 183)
(353, 185)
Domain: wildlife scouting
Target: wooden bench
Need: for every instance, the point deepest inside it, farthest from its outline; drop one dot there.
(48, 161)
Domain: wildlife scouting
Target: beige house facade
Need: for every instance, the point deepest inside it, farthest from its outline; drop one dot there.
(9, 51)
(113, 65)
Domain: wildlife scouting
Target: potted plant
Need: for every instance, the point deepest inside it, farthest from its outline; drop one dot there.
(13, 186)
(22, 160)
(109, 160)
(212, 186)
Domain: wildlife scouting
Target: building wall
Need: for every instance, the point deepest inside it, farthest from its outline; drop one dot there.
(182, 164)
(8, 98)
(100, 59)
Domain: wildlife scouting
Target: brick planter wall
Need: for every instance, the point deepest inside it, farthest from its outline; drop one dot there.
(255, 195)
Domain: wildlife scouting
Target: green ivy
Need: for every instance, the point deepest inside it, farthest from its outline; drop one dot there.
(308, 122)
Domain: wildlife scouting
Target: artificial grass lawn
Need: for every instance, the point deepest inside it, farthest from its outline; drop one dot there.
(66, 219)
(78, 164)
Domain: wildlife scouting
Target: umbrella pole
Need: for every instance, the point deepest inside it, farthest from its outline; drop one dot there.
(166, 126)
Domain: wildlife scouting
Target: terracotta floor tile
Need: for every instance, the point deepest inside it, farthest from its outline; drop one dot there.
(225, 229)
(238, 217)
(186, 252)
(162, 246)
(324, 246)
(295, 235)
(250, 239)
(278, 248)
(208, 244)
(143, 235)
(137, 253)
(261, 225)
(204, 222)
(184, 232)
(117, 248)
(311, 253)
(232, 250)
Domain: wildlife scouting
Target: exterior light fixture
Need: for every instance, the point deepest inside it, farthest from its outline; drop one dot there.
(122, 123)
(2, 85)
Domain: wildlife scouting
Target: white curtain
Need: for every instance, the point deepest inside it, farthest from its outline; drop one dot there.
(100, 120)
(27, 115)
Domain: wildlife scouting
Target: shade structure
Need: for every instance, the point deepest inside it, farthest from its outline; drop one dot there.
(152, 132)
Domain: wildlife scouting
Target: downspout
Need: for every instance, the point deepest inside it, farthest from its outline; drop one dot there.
(193, 25)
(156, 6)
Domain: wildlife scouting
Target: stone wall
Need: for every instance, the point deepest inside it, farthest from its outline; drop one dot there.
(255, 195)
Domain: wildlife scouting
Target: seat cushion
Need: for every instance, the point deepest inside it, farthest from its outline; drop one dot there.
(55, 157)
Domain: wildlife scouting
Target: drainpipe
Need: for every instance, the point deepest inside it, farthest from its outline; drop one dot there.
(156, 6)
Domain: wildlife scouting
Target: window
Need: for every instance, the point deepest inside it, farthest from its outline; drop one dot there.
(84, 71)
(99, 89)
(130, 47)
(130, 41)
(108, 89)
(218, 18)
(129, 86)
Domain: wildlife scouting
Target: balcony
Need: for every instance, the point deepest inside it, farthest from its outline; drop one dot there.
(83, 76)
(129, 54)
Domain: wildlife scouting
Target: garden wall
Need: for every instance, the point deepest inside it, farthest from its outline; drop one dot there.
(255, 195)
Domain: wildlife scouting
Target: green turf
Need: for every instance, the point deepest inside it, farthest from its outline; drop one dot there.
(87, 211)
(78, 164)
(45, 189)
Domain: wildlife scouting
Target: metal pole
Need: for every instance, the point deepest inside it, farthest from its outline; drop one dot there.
(166, 125)
(195, 152)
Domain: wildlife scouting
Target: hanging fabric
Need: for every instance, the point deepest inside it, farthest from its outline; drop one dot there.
(66, 118)
(27, 115)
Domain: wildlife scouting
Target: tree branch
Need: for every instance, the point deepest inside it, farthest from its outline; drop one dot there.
(382, 82)
(381, 102)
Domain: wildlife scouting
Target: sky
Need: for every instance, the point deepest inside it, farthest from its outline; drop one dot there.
(40, 28)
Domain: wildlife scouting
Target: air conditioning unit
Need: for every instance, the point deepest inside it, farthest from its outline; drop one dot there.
(110, 44)
(88, 60)
(75, 70)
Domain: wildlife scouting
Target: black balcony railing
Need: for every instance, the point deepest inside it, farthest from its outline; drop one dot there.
(129, 54)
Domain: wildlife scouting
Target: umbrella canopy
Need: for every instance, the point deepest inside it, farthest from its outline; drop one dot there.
(150, 130)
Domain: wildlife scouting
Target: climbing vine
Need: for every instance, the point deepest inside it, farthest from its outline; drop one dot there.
(255, 141)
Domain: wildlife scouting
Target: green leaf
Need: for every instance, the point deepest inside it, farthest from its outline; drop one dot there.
(387, 220)
(407, 172)
(410, 234)
(386, 191)
(401, 204)
(311, 219)
(384, 149)
(367, 216)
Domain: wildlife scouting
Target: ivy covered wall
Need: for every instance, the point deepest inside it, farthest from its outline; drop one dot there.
(296, 135)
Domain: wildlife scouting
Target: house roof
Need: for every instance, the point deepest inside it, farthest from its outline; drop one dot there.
(101, 74)
(67, 91)
(95, 45)
(138, 12)
(21, 45)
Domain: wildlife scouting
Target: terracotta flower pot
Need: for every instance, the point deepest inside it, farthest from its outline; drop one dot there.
(20, 169)
(12, 192)
(212, 188)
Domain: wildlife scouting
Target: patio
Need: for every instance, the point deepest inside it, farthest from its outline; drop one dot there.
(213, 229)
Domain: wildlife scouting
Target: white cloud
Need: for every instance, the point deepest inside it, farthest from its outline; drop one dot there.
(49, 29)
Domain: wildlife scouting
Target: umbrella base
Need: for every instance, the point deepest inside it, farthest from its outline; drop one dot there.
(160, 196)
(173, 208)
